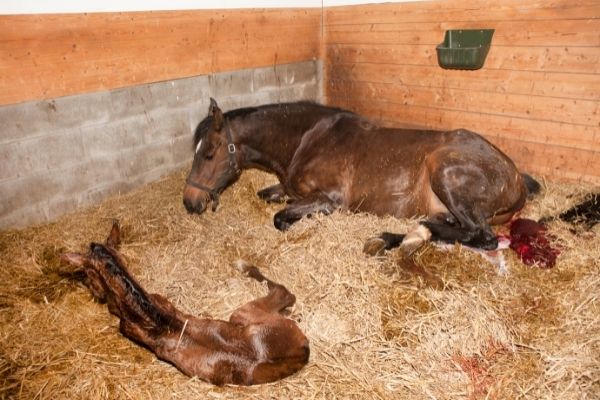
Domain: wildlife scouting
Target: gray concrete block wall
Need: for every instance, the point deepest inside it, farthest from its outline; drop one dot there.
(71, 152)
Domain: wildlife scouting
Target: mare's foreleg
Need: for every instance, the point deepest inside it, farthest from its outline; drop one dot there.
(272, 194)
(301, 208)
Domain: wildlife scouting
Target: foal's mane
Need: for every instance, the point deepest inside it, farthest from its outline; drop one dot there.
(203, 126)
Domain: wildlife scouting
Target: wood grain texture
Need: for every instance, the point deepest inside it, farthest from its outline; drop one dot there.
(537, 97)
(46, 56)
(550, 59)
(461, 10)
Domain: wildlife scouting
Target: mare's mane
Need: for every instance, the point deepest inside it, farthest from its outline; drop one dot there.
(203, 126)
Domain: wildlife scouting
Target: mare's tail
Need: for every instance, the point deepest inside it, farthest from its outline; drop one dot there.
(533, 186)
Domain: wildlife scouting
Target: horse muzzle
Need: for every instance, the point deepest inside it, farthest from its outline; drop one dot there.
(194, 207)
(196, 201)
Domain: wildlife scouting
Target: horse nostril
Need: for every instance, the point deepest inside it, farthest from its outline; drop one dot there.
(188, 205)
(192, 207)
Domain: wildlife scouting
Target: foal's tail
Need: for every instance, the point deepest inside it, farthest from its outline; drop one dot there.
(533, 186)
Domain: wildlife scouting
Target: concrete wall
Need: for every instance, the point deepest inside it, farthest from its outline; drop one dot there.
(65, 153)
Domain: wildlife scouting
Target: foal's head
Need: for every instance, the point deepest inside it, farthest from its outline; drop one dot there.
(215, 162)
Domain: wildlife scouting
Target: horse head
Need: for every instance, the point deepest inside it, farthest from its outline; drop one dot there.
(215, 164)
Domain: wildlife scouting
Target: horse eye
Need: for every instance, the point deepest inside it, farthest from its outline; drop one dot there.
(209, 156)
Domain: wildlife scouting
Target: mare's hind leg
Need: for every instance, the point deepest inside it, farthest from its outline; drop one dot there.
(256, 311)
(463, 192)
(470, 226)
(301, 208)
(272, 194)
(470, 192)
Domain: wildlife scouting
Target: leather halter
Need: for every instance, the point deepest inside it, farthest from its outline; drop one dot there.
(233, 166)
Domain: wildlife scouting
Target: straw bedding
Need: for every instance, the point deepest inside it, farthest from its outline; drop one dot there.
(448, 326)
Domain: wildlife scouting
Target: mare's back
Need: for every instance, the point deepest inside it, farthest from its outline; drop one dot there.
(352, 134)
(363, 136)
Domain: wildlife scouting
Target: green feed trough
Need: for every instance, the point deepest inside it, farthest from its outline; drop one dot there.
(464, 48)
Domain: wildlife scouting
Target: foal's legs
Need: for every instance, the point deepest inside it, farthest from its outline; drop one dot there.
(301, 208)
(272, 194)
(256, 311)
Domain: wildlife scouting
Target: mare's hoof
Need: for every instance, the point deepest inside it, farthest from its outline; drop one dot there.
(281, 222)
(374, 246)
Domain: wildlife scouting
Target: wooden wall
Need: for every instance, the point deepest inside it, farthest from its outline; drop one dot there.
(47, 56)
(537, 97)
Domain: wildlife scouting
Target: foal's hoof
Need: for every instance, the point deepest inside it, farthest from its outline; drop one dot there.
(242, 265)
(374, 246)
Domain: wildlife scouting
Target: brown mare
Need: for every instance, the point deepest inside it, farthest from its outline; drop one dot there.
(256, 345)
(328, 159)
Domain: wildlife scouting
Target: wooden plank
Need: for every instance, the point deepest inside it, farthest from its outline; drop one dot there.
(536, 108)
(508, 33)
(20, 27)
(573, 86)
(45, 56)
(548, 59)
(178, 43)
(104, 73)
(462, 10)
(550, 160)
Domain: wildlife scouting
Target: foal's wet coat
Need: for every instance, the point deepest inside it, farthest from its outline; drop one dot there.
(257, 344)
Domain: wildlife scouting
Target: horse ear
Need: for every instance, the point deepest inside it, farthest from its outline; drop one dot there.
(215, 112)
(114, 237)
(75, 259)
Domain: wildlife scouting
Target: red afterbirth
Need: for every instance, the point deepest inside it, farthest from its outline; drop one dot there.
(528, 238)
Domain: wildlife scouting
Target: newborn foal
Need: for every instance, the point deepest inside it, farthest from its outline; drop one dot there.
(257, 345)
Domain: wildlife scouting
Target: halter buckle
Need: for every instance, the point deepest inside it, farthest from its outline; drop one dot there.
(231, 148)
